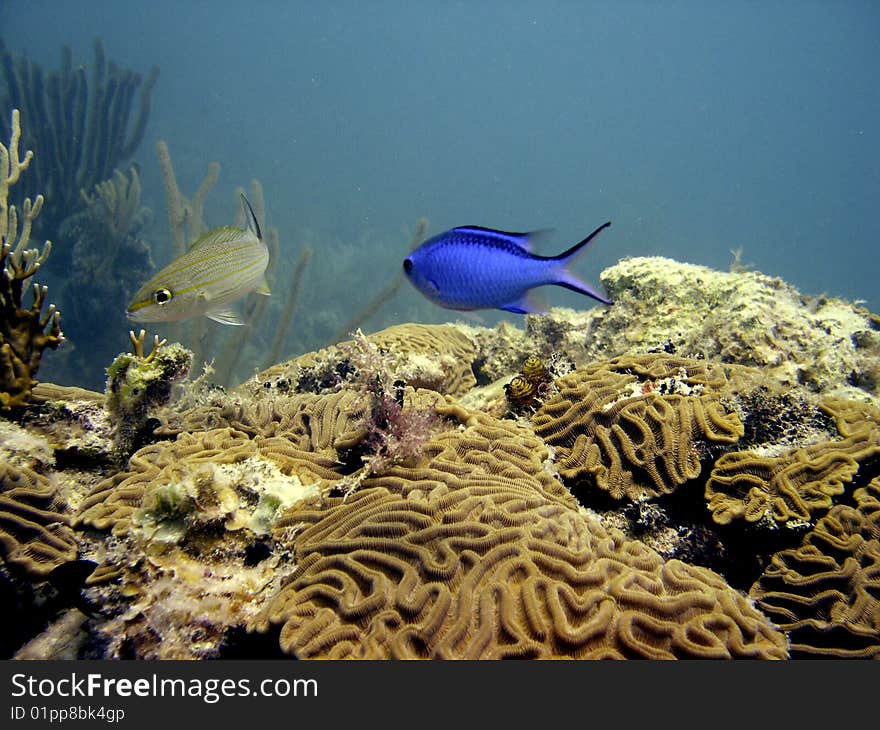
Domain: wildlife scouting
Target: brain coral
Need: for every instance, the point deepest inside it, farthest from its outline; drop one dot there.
(191, 557)
(438, 357)
(637, 425)
(479, 552)
(34, 530)
(777, 489)
(824, 593)
(312, 422)
(794, 485)
(185, 479)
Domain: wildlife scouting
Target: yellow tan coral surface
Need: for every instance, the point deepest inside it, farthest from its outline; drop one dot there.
(637, 426)
(190, 479)
(824, 593)
(438, 357)
(34, 528)
(479, 552)
(371, 501)
(793, 486)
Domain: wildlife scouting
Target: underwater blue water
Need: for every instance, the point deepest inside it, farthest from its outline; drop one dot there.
(696, 127)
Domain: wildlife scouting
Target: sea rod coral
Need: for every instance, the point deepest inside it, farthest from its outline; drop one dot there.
(24, 331)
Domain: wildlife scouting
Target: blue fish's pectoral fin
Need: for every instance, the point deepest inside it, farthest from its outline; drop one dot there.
(526, 304)
(263, 288)
(473, 317)
(225, 316)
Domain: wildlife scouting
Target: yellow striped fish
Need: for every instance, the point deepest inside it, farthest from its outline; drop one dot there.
(222, 266)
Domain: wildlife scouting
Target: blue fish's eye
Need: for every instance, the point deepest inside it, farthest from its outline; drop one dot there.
(162, 296)
(407, 265)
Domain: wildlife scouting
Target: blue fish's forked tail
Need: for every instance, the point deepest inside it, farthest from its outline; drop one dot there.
(569, 280)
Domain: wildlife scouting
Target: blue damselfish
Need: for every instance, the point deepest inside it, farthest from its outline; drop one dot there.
(479, 268)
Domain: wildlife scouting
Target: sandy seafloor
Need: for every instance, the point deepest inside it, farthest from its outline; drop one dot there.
(691, 472)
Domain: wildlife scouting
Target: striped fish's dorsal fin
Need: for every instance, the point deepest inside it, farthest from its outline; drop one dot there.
(522, 241)
(251, 222)
(223, 234)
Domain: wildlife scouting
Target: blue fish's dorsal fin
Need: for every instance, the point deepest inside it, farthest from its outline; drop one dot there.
(522, 240)
(251, 222)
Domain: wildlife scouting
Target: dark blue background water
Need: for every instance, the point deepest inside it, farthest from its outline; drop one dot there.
(696, 127)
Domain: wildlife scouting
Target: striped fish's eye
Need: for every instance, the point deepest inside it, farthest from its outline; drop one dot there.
(162, 296)
(407, 265)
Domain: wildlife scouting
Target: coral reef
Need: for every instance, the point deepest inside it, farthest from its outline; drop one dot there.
(438, 357)
(782, 489)
(791, 478)
(71, 424)
(388, 496)
(189, 559)
(828, 345)
(25, 332)
(34, 528)
(172, 488)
